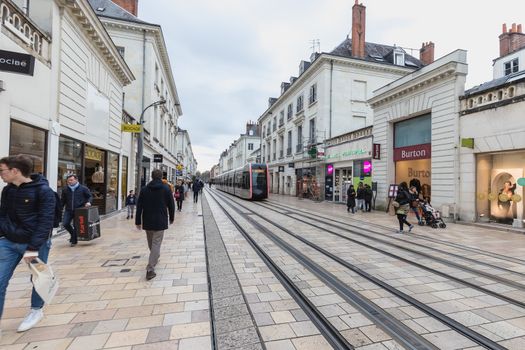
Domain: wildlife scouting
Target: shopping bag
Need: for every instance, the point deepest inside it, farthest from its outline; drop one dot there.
(44, 280)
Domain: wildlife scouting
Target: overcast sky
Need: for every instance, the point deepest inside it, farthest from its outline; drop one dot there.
(229, 56)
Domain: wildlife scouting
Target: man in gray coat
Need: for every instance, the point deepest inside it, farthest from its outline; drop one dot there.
(154, 206)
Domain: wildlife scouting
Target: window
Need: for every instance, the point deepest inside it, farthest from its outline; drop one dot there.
(300, 136)
(415, 131)
(290, 111)
(274, 123)
(299, 107)
(281, 118)
(121, 50)
(281, 146)
(312, 131)
(289, 148)
(511, 66)
(250, 147)
(274, 148)
(399, 58)
(313, 94)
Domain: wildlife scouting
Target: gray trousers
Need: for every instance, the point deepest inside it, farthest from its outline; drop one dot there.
(154, 243)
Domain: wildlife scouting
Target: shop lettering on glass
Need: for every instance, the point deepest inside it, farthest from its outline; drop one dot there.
(94, 154)
(412, 152)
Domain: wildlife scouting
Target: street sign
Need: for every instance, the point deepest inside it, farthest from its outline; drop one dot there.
(17, 62)
(180, 167)
(130, 128)
(376, 151)
(157, 158)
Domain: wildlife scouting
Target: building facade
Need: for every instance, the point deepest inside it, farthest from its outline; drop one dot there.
(142, 46)
(416, 130)
(492, 157)
(185, 156)
(242, 150)
(327, 99)
(74, 126)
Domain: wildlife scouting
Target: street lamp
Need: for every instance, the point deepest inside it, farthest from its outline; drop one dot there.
(140, 143)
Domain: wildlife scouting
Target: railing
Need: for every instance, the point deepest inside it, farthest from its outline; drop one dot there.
(14, 19)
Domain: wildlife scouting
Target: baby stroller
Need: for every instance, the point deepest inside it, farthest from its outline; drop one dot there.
(431, 216)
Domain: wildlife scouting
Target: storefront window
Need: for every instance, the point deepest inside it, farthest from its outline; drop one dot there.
(112, 182)
(362, 172)
(69, 161)
(124, 180)
(498, 191)
(30, 141)
(94, 161)
(413, 131)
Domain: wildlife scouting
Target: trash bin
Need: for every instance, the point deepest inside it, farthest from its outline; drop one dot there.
(87, 223)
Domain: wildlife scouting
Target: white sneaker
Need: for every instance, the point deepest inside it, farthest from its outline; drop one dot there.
(31, 320)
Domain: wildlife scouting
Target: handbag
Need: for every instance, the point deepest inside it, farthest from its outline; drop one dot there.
(395, 204)
(177, 194)
(44, 280)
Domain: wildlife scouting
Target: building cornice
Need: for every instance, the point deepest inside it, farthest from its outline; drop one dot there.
(321, 62)
(156, 32)
(92, 27)
(443, 69)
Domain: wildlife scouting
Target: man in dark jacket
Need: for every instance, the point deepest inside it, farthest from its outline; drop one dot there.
(154, 205)
(27, 213)
(197, 187)
(74, 196)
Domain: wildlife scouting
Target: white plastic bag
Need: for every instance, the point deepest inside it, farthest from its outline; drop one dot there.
(44, 280)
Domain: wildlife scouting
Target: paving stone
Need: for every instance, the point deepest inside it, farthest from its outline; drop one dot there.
(223, 302)
(233, 324)
(237, 339)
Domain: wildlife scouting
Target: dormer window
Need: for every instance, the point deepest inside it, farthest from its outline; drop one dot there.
(511, 66)
(399, 57)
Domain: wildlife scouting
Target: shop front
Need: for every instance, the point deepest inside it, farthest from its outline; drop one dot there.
(348, 161)
(500, 179)
(307, 184)
(96, 168)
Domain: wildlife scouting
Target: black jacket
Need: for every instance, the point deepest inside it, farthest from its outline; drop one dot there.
(197, 185)
(180, 191)
(27, 212)
(77, 198)
(131, 200)
(154, 205)
(350, 197)
(403, 197)
(360, 193)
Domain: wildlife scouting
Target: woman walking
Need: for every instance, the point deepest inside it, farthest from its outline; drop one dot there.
(414, 203)
(179, 194)
(403, 199)
(350, 199)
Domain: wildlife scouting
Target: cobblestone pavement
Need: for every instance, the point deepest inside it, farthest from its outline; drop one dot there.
(100, 306)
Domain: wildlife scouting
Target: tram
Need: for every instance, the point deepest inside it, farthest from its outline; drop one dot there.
(249, 182)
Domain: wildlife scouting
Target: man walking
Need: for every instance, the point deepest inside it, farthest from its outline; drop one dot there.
(27, 213)
(154, 205)
(197, 186)
(74, 196)
(131, 199)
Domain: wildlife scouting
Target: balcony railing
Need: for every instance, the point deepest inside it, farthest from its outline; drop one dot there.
(14, 19)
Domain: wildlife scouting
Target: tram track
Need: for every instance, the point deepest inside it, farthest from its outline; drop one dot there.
(345, 291)
(496, 278)
(418, 236)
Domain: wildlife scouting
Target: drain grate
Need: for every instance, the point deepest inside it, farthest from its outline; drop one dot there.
(115, 262)
(125, 270)
(135, 257)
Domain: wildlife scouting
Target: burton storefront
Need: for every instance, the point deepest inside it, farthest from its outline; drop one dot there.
(348, 161)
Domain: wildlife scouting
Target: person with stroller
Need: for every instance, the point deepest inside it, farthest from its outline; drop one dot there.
(350, 199)
(414, 203)
(403, 199)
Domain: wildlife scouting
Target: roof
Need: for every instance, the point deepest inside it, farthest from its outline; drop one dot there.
(107, 8)
(489, 85)
(378, 53)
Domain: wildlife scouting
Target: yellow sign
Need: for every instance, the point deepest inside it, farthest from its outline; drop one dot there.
(179, 167)
(94, 154)
(130, 127)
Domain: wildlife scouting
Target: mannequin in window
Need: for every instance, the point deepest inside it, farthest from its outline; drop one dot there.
(98, 175)
(505, 203)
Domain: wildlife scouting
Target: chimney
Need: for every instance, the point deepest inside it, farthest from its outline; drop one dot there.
(358, 30)
(426, 53)
(132, 6)
(511, 40)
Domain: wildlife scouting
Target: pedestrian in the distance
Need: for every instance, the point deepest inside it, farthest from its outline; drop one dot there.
(155, 208)
(197, 186)
(27, 215)
(131, 201)
(179, 194)
(186, 188)
(368, 198)
(74, 196)
(403, 200)
(360, 196)
(414, 203)
(350, 199)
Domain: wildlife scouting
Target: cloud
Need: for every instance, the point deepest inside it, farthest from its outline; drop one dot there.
(229, 56)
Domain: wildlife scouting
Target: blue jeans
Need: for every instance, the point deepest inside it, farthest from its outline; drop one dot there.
(66, 222)
(10, 255)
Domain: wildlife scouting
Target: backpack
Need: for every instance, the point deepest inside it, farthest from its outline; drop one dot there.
(57, 218)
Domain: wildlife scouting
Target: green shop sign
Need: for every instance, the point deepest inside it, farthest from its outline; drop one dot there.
(346, 154)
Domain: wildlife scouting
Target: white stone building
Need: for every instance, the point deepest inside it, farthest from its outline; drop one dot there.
(328, 99)
(142, 46)
(68, 112)
(185, 156)
(242, 150)
(416, 128)
(492, 130)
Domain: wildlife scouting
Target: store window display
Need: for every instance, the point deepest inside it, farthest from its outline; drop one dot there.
(94, 160)
(69, 161)
(25, 139)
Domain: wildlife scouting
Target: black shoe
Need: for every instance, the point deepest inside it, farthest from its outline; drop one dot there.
(72, 244)
(150, 275)
(127, 218)
(132, 216)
